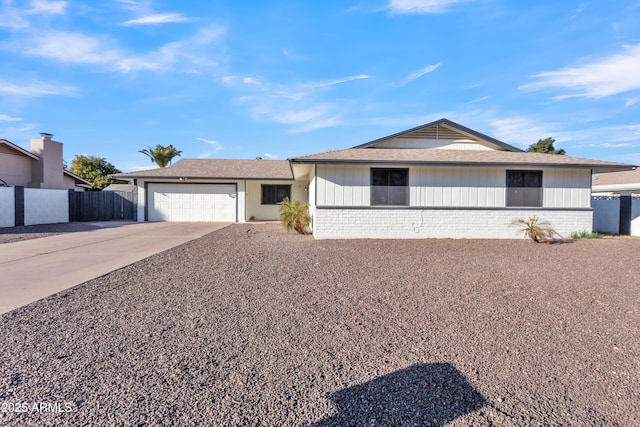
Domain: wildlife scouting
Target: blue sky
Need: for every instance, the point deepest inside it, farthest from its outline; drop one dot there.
(276, 79)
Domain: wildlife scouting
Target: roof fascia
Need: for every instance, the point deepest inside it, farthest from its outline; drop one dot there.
(184, 177)
(597, 168)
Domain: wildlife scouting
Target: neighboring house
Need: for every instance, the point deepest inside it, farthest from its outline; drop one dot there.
(437, 180)
(622, 183)
(42, 167)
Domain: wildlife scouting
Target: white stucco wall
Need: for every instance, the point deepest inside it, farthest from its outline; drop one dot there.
(261, 212)
(45, 206)
(7, 207)
(15, 169)
(439, 223)
(440, 186)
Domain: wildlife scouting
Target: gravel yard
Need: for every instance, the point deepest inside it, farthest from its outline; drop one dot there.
(28, 232)
(253, 326)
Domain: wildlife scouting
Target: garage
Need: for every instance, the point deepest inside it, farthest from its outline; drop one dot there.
(192, 202)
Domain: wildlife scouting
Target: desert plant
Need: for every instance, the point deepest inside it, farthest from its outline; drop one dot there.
(584, 234)
(536, 230)
(294, 215)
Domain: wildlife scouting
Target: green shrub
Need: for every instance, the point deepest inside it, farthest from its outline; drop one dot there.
(536, 230)
(584, 234)
(294, 215)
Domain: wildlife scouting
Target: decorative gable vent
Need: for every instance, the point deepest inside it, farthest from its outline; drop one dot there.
(438, 132)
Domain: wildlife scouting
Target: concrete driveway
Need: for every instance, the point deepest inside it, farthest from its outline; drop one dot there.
(33, 269)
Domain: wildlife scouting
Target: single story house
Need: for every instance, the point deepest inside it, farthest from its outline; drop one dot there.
(42, 167)
(621, 183)
(439, 180)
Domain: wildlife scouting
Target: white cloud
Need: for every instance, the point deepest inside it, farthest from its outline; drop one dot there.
(69, 47)
(207, 154)
(298, 105)
(613, 145)
(475, 101)
(158, 18)
(44, 6)
(36, 88)
(271, 156)
(77, 48)
(417, 74)
(208, 141)
(7, 118)
(611, 75)
(632, 101)
(422, 6)
(522, 131)
(327, 83)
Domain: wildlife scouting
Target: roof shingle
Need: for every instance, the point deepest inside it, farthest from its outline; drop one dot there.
(457, 158)
(218, 169)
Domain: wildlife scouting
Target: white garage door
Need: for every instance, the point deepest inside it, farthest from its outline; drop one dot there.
(192, 202)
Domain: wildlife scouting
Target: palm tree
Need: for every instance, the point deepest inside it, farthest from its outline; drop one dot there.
(161, 155)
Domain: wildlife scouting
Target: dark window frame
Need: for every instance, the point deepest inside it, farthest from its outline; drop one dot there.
(389, 186)
(524, 188)
(274, 192)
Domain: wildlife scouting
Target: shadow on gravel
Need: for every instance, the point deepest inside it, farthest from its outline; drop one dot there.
(431, 394)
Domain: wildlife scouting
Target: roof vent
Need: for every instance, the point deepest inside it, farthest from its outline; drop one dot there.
(46, 135)
(258, 158)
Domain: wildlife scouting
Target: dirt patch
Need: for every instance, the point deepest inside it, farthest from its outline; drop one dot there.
(251, 325)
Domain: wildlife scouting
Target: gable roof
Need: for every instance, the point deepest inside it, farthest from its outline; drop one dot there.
(436, 157)
(80, 182)
(19, 149)
(618, 178)
(217, 169)
(442, 122)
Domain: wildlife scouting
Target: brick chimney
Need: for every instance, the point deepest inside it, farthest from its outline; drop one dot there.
(47, 172)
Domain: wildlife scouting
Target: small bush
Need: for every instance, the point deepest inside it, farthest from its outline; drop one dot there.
(584, 234)
(536, 230)
(294, 215)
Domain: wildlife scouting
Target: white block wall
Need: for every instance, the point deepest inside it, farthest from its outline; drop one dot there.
(7, 207)
(45, 206)
(330, 223)
(635, 215)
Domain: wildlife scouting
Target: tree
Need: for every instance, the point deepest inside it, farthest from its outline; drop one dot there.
(94, 169)
(161, 155)
(545, 146)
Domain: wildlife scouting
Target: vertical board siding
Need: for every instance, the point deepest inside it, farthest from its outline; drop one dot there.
(432, 144)
(442, 186)
(566, 188)
(343, 185)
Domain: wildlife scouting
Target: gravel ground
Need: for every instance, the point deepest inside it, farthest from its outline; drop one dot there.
(28, 232)
(253, 326)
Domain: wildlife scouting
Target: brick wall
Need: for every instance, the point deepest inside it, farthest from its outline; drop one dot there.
(341, 223)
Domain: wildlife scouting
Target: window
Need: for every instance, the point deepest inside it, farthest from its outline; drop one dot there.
(275, 194)
(390, 187)
(524, 188)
